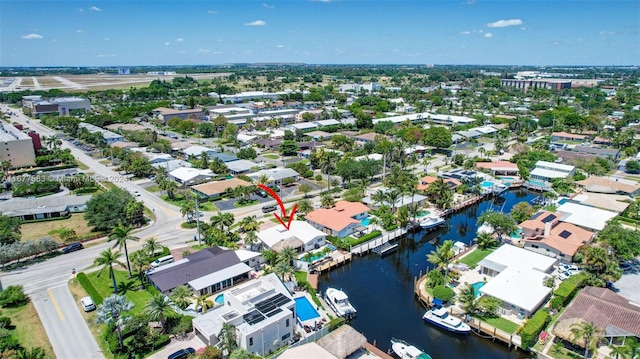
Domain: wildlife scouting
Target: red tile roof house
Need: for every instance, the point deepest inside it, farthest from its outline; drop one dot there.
(499, 167)
(427, 180)
(564, 136)
(608, 311)
(544, 233)
(341, 220)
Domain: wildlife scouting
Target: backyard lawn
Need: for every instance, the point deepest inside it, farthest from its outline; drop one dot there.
(104, 286)
(501, 323)
(178, 201)
(271, 156)
(472, 259)
(51, 228)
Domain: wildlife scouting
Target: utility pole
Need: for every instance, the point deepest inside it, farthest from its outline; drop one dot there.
(198, 221)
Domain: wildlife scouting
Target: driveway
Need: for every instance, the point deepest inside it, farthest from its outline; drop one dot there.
(192, 341)
(628, 285)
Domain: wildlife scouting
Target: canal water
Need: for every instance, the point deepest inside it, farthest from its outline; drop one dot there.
(381, 289)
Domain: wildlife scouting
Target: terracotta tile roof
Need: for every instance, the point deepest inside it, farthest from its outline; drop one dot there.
(537, 222)
(604, 308)
(569, 135)
(427, 180)
(605, 182)
(565, 237)
(370, 136)
(338, 217)
(497, 164)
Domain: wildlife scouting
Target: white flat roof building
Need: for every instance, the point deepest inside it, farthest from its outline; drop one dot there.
(300, 235)
(588, 217)
(187, 176)
(518, 276)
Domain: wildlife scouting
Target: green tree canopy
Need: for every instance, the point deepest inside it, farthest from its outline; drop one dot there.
(9, 229)
(437, 136)
(502, 223)
(107, 209)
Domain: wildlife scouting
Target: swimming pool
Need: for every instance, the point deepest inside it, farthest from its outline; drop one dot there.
(220, 299)
(304, 310)
(562, 201)
(476, 288)
(516, 234)
(314, 256)
(487, 184)
(365, 222)
(423, 213)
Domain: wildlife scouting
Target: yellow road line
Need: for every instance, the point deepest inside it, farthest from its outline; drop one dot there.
(55, 304)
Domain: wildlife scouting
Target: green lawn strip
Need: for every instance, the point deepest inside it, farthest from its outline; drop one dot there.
(472, 259)
(109, 185)
(301, 276)
(237, 204)
(82, 166)
(153, 188)
(178, 201)
(29, 330)
(103, 285)
(271, 156)
(501, 323)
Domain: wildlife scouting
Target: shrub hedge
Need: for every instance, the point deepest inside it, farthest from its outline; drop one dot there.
(335, 323)
(366, 237)
(531, 330)
(88, 286)
(444, 293)
(570, 287)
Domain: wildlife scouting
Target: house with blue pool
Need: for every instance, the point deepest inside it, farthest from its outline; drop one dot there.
(343, 219)
(301, 236)
(262, 313)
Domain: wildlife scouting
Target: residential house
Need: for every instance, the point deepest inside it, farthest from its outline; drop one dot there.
(243, 166)
(215, 189)
(301, 236)
(427, 180)
(548, 171)
(497, 168)
(344, 342)
(403, 200)
(343, 219)
(108, 136)
(606, 185)
(616, 316)
(262, 313)
(565, 136)
(590, 218)
(41, 208)
(367, 137)
(188, 176)
(545, 234)
(275, 176)
(207, 271)
(610, 153)
(516, 277)
(197, 151)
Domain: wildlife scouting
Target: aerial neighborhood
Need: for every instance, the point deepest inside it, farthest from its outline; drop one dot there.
(273, 211)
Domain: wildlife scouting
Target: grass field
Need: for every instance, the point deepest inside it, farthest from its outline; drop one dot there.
(29, 329)
(271, 156)
(104, 286)
(50, 228)
(472, 259)
(501, 323)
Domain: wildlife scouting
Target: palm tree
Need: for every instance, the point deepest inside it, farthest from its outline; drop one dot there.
(170, 187)
(262, 179)
(618, 351)
(327, 200)
(222, 220)
(284, 270)
(305, 206)
(249, 223)
(287, 254)
(442, 256)
(227, 338)
(485, 240)
(106, 259)
(328, 160)
(188, 208)
(633, 346)
(393, 195)
(379, 197)
(151, 245)
(202, 301)
(588, 332)
(467, 298)
(52, 142)
(120, 234)
(158, 308)
(250, 238)
(34, 353)
(112, 311)
(140, 263)
(180, 296)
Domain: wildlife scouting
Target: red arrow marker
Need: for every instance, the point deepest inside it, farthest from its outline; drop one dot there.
(282, 209)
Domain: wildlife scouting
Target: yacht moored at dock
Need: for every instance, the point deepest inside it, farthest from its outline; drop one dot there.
(431, 221)
(440, 317)
(407, 351)
(339, 302)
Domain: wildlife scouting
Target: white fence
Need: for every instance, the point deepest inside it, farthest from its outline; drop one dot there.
(384, 238)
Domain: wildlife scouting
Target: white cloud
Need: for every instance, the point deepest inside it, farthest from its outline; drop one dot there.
(556, 43)
(469, 2)
(181, 52)
(267, 6)
(167, 43)
(79, 31)
(465, 32)
(109, 55)
(32, 37)
(80, 9)
(179, 39)
(256, 23)
(607, 32)
(95, 8)
(488, 35)
(107, 39)
(505, 23)
(204, 51)
(212, 12)
(324, 1)
(280, 46)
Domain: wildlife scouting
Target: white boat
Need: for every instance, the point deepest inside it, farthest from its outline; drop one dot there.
(440, 317)
(407, 351)
(431, 221)
(339, 302)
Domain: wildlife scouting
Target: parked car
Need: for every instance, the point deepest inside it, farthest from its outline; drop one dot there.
(135, 193)
(72, 247)
(564, 275)
(87, 304)
(182, 353)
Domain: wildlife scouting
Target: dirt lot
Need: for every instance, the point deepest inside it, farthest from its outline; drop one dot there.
(49, 229)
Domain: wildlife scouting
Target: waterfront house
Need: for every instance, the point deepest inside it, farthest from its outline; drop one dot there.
(497, 168)
(516, 276)
(187, 176)
(616, 316)
(607, 185)
(215, 189)
(344, 342)
(544, 233)
(207, 271)
(587, 217)
(548, 171)
(427, 180)
(343, 219)
(301, 236)
(261, 312)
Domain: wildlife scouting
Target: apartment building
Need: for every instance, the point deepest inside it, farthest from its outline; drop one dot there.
(16, 146)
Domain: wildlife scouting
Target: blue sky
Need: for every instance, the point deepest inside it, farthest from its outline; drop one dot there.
(130, 33)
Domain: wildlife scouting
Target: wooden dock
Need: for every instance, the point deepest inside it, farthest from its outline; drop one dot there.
(385, 248)
(329, 264)
(368, 246)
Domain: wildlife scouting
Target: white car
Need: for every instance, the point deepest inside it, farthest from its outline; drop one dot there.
(87, 304)
(564, 275)
(135, 193)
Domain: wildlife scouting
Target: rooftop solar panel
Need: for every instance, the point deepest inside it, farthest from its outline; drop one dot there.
(253, 317)
(536, 215)
(565, 234)
(549, 218)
